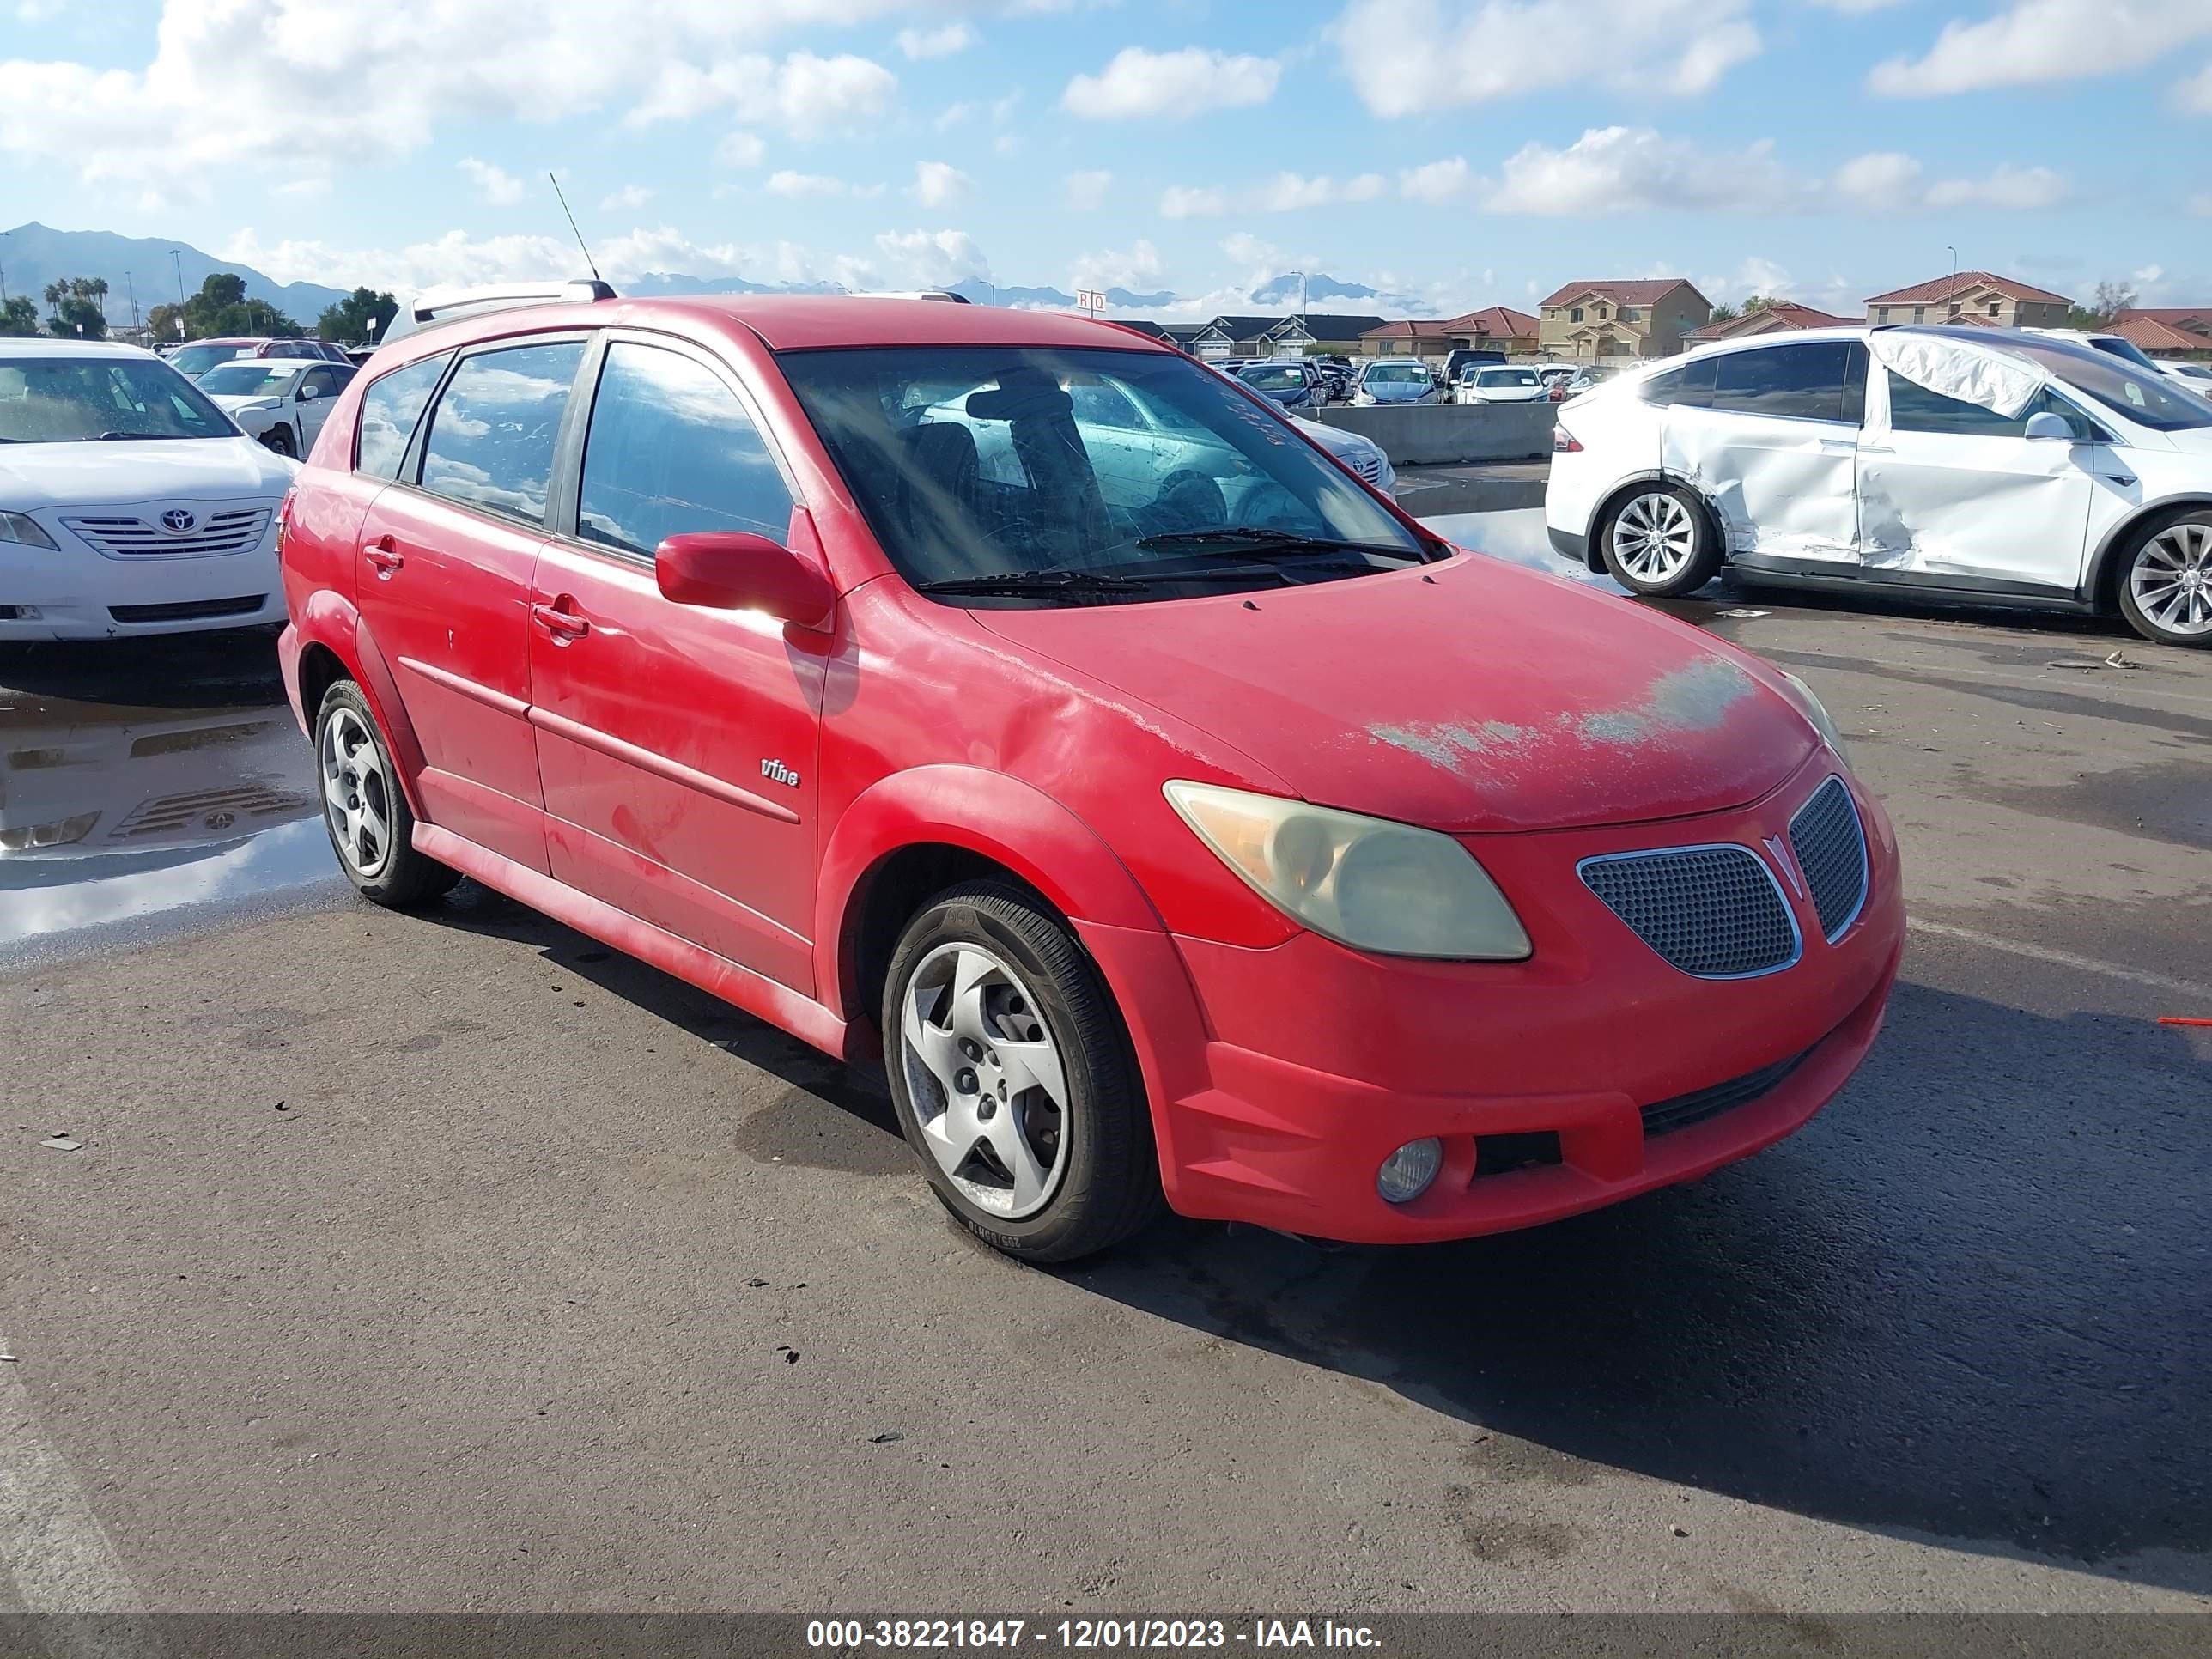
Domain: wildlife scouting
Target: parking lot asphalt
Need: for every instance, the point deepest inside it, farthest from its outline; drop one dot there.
(452, 1262)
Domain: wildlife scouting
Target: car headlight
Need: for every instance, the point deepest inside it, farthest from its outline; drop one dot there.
(1367, 883)
(1814, 710)
(1364, 399)
(22, 528)
(30, 837)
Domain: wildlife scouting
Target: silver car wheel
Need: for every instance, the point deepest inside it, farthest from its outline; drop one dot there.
(989, 1092)
(2171, 580)
(1654, 537)
(356, 794)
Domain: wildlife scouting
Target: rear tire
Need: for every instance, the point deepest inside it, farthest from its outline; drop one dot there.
(2165, 585)
(371, 829)
(1012, 1078)
(1656, 540)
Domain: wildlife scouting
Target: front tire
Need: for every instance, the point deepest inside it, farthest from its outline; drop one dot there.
(1657, 541)
(1012, 1078)
(279, 438)
(2165, 582)
(371, 828)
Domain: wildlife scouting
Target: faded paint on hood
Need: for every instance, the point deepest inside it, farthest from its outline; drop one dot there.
(1490, 699)
(128, 473)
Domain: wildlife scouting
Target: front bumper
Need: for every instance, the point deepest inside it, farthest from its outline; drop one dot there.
(1283, 1078)
(73, 591)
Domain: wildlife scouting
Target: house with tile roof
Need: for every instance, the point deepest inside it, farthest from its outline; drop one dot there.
(1785, 316)
(1971, 296)
(1615, 320)
(2166, 330)
(1496, 328)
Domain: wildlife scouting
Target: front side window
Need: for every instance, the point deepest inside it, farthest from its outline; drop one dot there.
(981, 462)
(671, 452)
(59, 400)
(1914, 408)
(1803, 382)
(2147, 397)
(389, 410)
(491, 437)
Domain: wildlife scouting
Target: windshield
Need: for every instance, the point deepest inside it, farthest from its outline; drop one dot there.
(2143, 396)
(61, 400)
(1275, 376)
(1396, 373)
(1106, 467)
(1506, 377)
(193, 360)
(247, 379)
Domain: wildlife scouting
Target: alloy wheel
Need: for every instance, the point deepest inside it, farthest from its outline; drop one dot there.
(357, 793)
(2171, 580)
(988, 1087)
(1654, 537)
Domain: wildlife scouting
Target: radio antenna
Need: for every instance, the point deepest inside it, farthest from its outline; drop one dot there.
(581, 242)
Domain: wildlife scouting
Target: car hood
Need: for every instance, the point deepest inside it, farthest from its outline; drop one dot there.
(1485, 698)
(1388, 392)
(123, 472)
(228, 401)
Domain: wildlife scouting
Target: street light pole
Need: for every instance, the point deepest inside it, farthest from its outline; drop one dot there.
(177, 256)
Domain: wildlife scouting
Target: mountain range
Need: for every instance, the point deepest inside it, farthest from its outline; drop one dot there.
(151, 271)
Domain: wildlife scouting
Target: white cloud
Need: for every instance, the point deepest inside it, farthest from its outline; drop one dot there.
(1619, 169)
(805, 94)
(801, 185)
(1889, 181)
(147, 124)
(2032, 41)
(2194, 94)
(1855, 6)
(1137, 267)
(629, 196)
(1262, 257)
(495, 184)
(741, 149)
(1186, 202)
(2006, 187)
(457, 257)
(1436, 182)
(936, 42)
(937, 182)
(952, 115)
(933, 258)
(1172, 85)
(1405, 57)
(1086, 191)
(1286, 193)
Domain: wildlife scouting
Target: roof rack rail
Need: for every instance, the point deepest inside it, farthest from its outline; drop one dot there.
(445, 305)
(944, 295)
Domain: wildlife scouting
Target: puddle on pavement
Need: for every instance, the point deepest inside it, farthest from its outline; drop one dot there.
(142, 780)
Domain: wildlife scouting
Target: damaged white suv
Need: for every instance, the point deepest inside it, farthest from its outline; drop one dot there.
(1962, 464)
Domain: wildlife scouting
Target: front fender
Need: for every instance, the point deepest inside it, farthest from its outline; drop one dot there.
(329, 619)
(985, 812)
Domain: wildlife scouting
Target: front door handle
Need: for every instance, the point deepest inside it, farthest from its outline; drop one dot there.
(562, 623)
(383, 558)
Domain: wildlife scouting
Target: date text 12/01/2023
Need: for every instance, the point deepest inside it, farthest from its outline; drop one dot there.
(1084, 1635)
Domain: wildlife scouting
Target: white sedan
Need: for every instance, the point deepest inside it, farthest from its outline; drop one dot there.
(2197, 377)
(282, 401)
(1951, 463)
(128, 503)
(1493, 384)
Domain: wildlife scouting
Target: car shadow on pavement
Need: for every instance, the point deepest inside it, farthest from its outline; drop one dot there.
(228, 668)
(1967, 1300)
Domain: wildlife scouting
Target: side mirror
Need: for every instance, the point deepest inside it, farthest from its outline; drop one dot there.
(2046, 425)
(736, 570)
(309, 393)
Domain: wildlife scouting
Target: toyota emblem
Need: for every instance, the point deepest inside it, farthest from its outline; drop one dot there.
(176, 521)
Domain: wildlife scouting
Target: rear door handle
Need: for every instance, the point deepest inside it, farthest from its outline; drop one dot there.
(384, 557)
(561, 623)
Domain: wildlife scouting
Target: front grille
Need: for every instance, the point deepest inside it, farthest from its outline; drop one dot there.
(1663, 1117)
(1369, 466)
(238, 530)
(189, 610)
(1830, 843)
(1714, 912)
(211, 809)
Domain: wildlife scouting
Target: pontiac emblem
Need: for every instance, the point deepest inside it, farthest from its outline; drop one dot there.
(1777, 851)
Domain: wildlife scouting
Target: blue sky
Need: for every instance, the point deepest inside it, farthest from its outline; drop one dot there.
(1457, 152)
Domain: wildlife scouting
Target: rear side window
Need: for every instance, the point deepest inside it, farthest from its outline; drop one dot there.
(1801, 382)
(672, 451)
(491, 438)
(389, 409)
(1690, 386)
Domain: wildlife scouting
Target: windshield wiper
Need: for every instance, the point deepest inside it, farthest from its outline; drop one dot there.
(1256, 541)
(114, 437)
(1035, 581)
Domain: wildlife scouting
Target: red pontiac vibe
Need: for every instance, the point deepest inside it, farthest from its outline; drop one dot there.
(1005, 694)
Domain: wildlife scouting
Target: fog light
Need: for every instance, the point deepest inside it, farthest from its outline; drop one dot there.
(1406, 1173)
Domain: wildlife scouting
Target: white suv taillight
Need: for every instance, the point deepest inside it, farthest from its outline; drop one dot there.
(1564, 442)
